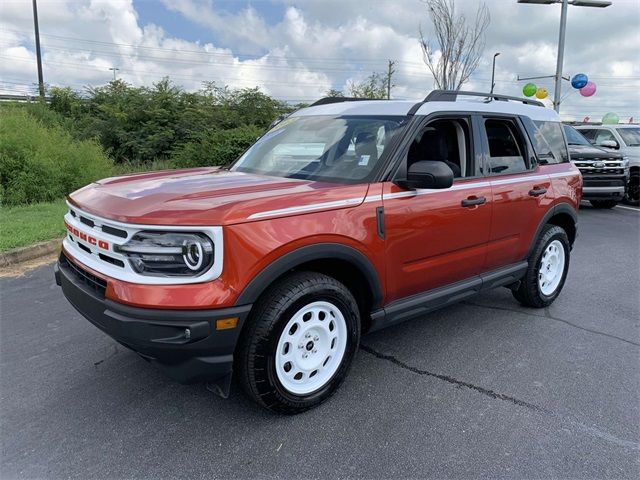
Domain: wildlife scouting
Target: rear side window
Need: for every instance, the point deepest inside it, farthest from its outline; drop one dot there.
(506, 147)
(548, 141)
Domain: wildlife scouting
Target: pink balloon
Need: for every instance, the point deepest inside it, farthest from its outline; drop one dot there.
(588, 90)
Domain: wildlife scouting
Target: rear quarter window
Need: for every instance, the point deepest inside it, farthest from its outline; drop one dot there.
(548, 141)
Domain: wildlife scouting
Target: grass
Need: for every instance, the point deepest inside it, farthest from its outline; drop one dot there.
(28, 224)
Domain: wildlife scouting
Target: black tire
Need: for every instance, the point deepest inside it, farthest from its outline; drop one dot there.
(529, 293)
(633, 189)
(603, 203)
(256, 352)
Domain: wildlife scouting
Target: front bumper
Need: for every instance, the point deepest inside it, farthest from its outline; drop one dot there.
(603, 187)
(183, 343)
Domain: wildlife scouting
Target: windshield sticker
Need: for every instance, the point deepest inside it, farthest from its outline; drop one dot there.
(364, 160)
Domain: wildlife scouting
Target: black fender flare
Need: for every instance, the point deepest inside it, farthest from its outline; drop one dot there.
(319, 251)
(555, 210)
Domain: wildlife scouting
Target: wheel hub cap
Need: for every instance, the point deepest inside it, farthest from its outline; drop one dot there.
(551, 267)
(319, 331)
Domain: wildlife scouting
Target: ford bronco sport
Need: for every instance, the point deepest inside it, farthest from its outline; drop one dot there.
(344, 218)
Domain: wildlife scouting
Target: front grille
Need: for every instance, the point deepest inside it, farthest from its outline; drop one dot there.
(587, 166)
(116, 232)
(96, 284)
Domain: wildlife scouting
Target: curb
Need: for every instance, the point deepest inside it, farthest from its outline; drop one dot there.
(24, 254)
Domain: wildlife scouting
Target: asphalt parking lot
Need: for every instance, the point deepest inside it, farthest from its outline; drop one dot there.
(484, 389)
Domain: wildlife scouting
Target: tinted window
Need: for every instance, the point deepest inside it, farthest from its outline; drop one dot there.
(589, 134)
(574, 137)
(506, 147)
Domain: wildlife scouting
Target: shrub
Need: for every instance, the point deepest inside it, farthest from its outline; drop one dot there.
(215, 147)
(41, 162)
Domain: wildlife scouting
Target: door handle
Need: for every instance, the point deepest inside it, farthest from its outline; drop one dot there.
(537, 191)
(473, 200)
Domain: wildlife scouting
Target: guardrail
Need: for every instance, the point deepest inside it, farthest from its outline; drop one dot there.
(22, 98)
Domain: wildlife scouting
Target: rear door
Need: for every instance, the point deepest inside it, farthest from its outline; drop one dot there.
(521, 191)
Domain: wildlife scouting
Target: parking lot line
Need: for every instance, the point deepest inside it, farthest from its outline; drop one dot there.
(628, 208)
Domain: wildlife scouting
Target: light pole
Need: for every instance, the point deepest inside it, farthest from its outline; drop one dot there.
(493, 71)
(563, 28)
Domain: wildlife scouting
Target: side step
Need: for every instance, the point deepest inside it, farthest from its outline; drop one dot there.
(422, 303)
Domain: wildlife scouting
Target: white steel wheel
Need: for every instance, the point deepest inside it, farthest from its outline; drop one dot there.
(551, 267)
(311, 348)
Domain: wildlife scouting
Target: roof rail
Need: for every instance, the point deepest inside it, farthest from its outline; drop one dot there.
(452, 96)
(329, 100)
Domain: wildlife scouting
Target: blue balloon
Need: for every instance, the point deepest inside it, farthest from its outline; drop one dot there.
(580, 80)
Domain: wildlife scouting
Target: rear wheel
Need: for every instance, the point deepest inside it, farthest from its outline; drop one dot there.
(547, 270)
(604, 203)
(299, 343)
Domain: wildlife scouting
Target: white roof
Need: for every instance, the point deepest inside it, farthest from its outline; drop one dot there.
(402, 107)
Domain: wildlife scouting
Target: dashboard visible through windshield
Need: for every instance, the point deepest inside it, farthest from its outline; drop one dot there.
(340, 149)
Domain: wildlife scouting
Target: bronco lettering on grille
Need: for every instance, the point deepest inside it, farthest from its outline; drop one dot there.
(86, 237)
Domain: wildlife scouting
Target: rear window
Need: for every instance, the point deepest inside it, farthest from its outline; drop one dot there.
(548, 141)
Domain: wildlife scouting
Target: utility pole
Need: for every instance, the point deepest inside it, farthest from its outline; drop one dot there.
(390, 72)
(115, 69)
(38, 52)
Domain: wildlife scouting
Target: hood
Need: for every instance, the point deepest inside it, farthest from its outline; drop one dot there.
(588, 152)
(209, 196)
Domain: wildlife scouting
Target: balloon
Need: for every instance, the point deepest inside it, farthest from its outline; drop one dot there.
(588, 90)
(529, 90)
(580, 80)
(610, 119)
(542, 93)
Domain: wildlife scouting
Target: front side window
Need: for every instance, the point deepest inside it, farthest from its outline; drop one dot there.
(445, 140)
(506, 147)
(334, 149)
(604, 136)
(630, 136)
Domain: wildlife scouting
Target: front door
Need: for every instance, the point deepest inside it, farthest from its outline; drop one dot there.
(437, 237)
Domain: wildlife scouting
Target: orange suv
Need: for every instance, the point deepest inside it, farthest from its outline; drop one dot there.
(345, 217)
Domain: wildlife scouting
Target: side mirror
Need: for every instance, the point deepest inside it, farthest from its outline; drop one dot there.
(609, 144)
(428, 174)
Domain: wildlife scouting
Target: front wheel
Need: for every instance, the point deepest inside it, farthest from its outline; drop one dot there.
(300, 342)
(603, 203)
(547, 270)
(633, 189)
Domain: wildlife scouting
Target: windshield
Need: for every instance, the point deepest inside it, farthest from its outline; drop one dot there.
(630, 136)
(574, 137)
(337, 149)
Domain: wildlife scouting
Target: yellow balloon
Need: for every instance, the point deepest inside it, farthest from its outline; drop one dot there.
(542, 93)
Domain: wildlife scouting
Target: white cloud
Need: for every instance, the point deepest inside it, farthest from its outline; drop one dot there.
(317, 45)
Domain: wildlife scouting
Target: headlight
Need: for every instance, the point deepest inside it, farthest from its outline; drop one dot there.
(169, 254)
(625, 161)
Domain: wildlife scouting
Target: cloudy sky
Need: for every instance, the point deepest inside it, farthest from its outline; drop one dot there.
(297, 50)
